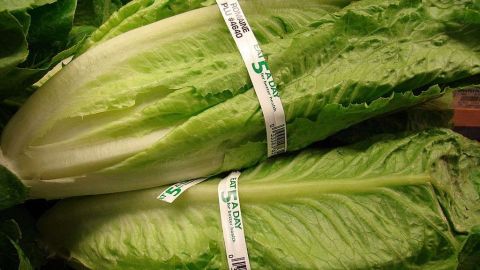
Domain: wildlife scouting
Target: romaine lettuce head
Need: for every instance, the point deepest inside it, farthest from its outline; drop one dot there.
(405, 201)
(172, 100)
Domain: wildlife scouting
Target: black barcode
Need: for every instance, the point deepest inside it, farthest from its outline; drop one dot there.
(239, 263)
(278, 139)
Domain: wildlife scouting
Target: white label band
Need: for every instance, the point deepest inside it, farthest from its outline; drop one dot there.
(232, 223)
(173, 192)
(260, 75)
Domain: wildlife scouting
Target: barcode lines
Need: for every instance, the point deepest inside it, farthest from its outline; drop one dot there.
(278, 139)
(239, 263)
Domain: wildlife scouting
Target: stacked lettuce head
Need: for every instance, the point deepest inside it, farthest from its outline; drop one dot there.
(172, 100)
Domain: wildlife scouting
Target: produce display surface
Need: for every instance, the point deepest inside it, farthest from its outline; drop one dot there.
(104, 104)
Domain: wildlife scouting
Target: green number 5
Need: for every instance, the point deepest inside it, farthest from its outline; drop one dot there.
(173, 190)
(261, 64)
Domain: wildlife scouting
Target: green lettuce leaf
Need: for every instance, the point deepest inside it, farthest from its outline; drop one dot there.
(23, 4)
(12, 255)
(19, 245)
(177, 102)
(14, 44)
(469, 258)
(405, 201)
(12, 191)
(32, 34)
(95, 12)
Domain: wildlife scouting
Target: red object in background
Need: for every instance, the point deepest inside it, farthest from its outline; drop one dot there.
(466, 118)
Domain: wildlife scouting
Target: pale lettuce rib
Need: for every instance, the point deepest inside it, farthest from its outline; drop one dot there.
(390, 202)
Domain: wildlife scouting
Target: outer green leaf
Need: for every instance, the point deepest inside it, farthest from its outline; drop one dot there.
(17, 5)
(24, 262)
(12, 255)
(44, 30)
(14, 48)
(12, 191)
(470, 255)
(95, 12)
(46, 38)
(21, 246)
(177, 103)
(9, 232)
(390, 202)
(11, 229)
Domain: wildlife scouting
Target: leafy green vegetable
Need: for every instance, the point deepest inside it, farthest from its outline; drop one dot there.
(95, 12)
(19, 245)
(9, 230)
(177, 103)
(12, 191)
(470, 255)
(89, 15)
(31, 40)
(23, 4)
(139, 13)
(390, 202)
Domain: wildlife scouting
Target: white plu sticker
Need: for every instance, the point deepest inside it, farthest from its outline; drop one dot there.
(260, 75)
(173, 192)
(232, 223)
